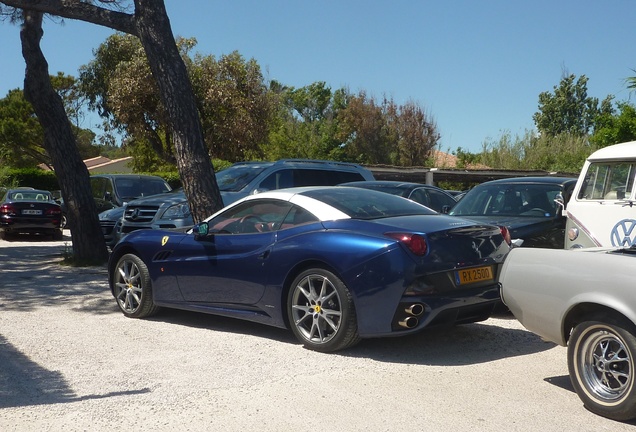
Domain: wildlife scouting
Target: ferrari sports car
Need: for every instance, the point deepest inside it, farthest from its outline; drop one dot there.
(32, 211)
(335, 264)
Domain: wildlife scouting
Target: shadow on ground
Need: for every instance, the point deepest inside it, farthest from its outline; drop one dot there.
(25, 383)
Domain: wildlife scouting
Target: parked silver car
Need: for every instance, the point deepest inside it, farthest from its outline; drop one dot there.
(584, 299)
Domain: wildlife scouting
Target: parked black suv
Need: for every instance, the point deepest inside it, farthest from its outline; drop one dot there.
(171, 210)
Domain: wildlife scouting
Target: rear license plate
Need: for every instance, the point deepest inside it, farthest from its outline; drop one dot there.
(31, 212)
(472, 275)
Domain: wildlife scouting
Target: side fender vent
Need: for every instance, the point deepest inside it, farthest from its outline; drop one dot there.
(162, 256)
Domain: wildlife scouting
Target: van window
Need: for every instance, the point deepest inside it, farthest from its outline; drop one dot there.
(608, 181)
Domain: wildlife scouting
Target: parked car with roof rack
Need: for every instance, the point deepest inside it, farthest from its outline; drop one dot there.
(171, 210)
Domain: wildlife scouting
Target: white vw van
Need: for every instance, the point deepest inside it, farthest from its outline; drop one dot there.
(602, 211)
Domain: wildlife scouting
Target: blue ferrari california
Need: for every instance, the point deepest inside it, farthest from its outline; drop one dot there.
(335, 264)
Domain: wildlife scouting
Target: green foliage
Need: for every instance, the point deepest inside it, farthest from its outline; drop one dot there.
(305, 124)
(569, 110)
(28, 177)
(233, 101)
(235, 105)
(561, 153)
(613, 129)
(21, 136)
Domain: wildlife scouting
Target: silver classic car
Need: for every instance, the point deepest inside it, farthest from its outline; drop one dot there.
(583, 299)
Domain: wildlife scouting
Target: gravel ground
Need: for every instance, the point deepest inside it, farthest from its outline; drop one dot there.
(70, 361)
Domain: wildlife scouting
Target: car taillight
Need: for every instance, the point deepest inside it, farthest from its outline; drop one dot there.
(7, 209)
(506, 234)
(415, 242)
(53, 212)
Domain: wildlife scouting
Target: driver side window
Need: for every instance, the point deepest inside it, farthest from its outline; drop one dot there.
(250, 217)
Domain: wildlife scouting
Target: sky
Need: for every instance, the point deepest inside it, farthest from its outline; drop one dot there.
(476, 67)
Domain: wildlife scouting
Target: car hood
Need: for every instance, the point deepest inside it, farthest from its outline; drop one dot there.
(113, 214)
(174, 197)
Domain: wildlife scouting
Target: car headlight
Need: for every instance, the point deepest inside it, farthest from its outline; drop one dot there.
(177, 211)
(573, 234)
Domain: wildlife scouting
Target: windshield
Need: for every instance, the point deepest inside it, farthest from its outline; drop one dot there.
(137, 187)
(367, 204)
(505, 199)
(235, 178)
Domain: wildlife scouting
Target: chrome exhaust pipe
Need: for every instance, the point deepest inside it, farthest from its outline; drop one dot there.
(415, 309)
(408, 322)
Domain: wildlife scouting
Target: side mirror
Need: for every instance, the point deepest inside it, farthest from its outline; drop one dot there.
(559, 200)
(446, 209)
(201, 229)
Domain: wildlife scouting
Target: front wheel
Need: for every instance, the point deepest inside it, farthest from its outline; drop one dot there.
(601, 365)
(132, 287)
(321, 311)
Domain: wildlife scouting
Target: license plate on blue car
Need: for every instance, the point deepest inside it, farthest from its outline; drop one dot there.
(472, 275)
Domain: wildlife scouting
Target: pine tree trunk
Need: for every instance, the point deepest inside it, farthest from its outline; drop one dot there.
(193, 161)
(60, 144)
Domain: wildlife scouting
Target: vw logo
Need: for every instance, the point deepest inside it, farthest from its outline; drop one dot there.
(623, 234)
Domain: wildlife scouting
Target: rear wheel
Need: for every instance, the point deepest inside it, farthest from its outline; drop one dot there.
(601, 363)
(132, 287)
(321, 311)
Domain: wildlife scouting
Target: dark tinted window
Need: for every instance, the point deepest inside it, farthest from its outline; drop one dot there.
(316, 177)
(367, 204)
(438, 200)
(531, 200)
(235, 178)
(137, 187)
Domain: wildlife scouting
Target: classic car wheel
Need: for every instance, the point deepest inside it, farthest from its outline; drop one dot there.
(132, 287)
(601, 363)
(321, 311)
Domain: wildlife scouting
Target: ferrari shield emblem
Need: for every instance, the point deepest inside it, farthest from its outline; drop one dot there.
(164, 240)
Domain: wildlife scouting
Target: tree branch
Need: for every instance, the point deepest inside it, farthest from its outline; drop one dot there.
(79, 10)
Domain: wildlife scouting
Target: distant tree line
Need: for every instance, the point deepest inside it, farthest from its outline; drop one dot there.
(243, 116)
(570, 125)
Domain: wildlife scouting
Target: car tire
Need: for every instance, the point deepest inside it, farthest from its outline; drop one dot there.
(321, 311)
(601, 360)
(132, 287)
